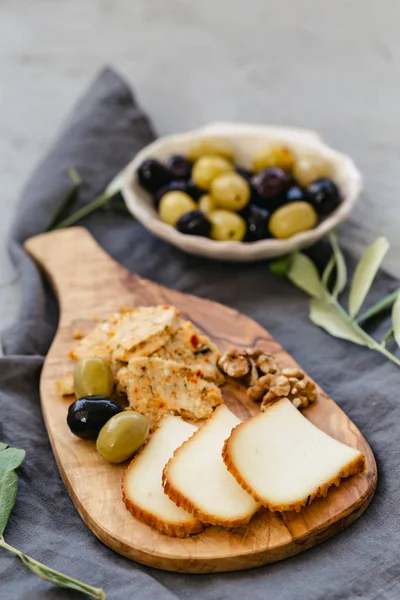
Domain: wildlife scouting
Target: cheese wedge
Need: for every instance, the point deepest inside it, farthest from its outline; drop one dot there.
(197, 479)
(142, 489)
(284, 461)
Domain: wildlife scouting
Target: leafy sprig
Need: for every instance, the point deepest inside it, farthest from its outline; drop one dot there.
(11, 459)
(325, 309)
(103, 200)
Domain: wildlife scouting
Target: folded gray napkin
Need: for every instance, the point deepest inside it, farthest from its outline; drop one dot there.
(104, 131)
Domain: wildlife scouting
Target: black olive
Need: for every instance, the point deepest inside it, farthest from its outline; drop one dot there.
(270, 183)
(324, 196)
(152, 175)
(179, 167)
(87, 415)
(257, 223)
(296, 194)
(194, 223)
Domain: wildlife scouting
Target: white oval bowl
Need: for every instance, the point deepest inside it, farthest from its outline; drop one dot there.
(244, 139)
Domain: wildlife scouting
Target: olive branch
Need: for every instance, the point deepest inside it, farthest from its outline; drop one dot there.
(324, 292)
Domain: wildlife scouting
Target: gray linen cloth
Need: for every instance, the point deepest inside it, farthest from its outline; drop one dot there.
(105, 130)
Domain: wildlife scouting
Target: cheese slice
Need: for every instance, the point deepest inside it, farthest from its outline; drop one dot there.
(197, 480)
(142, 489)
(284, 461)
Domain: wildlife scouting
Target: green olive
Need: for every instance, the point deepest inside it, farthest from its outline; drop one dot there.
(204, 147)
(227, 226)
(173, 205)
(122, 436)
(207, 168)
(230, 191)
(311, 167)
(280, 157)
(207, 204)
(93, 377)
(291, 219)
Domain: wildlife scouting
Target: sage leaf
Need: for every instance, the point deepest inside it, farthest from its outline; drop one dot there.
(3, 446)
(11, 458)
(329, 318)
(396, 320)
(8, 495)
(304, 274)
(60, 579)
(365, 273)
(341, 269)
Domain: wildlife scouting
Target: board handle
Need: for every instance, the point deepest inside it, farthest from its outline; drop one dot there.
(77, 267)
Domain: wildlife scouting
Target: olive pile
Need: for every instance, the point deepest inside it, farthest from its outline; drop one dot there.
(205, 194)
(119, 433)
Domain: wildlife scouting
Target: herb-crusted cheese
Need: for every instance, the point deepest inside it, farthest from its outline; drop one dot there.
(155, 386)
(192, 348)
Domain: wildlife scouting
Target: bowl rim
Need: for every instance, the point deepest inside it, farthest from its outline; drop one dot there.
(272, 246)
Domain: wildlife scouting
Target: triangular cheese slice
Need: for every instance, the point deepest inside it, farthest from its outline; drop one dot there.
(142, 489)
(284, 461)
(197, 480)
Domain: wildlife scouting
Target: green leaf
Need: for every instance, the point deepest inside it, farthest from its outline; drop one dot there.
(69, 200)
(8, 495)
(11, 458)
(118, 204)
(387, 337)
(396, 320)
(3, 446)
(113, 188)
(60, 579)
(365, 273)
(330, 318)
(341, 270)
(328, 271)
(280, 266)
(303, 273)
(379, 307)
(115, 185)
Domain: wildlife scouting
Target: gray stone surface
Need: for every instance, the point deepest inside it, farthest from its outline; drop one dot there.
(333, 67)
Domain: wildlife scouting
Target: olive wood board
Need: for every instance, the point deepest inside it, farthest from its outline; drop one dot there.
(89, 283)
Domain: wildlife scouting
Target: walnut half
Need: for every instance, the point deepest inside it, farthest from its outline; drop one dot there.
(235, 363)
(247, 365)
(289, 383)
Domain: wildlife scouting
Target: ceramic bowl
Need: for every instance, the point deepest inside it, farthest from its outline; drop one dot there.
(245, 139)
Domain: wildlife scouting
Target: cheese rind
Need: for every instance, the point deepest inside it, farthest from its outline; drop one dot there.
(197, 480)
(142, 489)
(284, 461)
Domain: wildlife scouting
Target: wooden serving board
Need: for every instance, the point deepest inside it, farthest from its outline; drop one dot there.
(89, 283)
